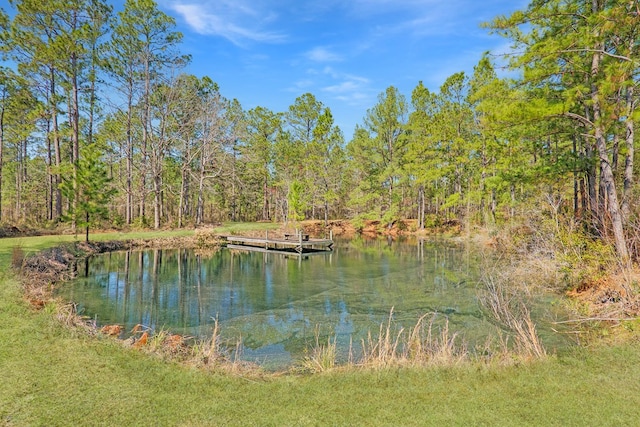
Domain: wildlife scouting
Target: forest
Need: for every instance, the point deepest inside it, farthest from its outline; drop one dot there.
(101, 125)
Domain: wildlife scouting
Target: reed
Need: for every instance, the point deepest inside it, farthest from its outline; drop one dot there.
(428, 346)
(210, 351)
(383, 350)
(323, 357)
(167, 344)
(424, 344)
(504, 304)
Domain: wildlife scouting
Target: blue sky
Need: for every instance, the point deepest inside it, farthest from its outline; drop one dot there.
(344, 52)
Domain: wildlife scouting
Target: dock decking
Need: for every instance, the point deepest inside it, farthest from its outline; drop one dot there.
(299, 243)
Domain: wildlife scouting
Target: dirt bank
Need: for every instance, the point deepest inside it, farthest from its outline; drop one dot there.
(373, 228)
(43, 270)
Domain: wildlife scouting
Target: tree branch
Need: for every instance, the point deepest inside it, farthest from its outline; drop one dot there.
(577, 117)
(604, 52)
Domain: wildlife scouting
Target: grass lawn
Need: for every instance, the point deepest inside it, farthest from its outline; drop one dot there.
(57, 377)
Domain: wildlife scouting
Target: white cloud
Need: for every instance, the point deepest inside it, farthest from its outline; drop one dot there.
(382, 6)
(233, 20)
(355, 98)
(330, 72)
(303, 84)
(322, 54)
(425, 18)
(348, 88)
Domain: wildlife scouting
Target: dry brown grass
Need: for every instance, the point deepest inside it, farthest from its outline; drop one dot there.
(545, 255)
(383, 349)
(322, 357)
(423, 345)
(430, 342)
(505, 303)
(435, 348)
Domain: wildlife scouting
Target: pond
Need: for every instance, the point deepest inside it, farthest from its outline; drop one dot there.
(278, 305)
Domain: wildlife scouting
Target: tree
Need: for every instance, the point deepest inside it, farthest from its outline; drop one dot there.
(123, 64)
(90, 190)
(190, 122)
(385, 124)
(234, 135)
(30, 44)
(78, 26)
(302, 119)
(143, 48)
(209, 159)
(366, 164)
(296, 204)
(579, 56)
(99, 18)
(8, 88)
(7, 79)
(263, 128)
(326, 160)
(422, 159)
(18, 113)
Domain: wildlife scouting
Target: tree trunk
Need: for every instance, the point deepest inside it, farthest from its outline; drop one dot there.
(183, 193)
(1, 154)
(421, 207)
(146, 113)
(50, 178)
(326, 213)
(591, 184)
(200, 205)
(576, 188)
(74, 118)
(512, 210)
(157, 200)
(129, 156)
(56, 144)
(628, 164)
(607, 177)
(265, 200)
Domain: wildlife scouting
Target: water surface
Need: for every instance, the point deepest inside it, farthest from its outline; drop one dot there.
(278, 304)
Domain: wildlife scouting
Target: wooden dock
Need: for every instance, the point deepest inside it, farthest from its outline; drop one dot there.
(294, 243)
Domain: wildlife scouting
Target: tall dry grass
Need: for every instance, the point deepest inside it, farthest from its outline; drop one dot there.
(322, 357)
(435, 347)
(210, 351)
(382, 349)
(214, 353)
(424, 344)
(507, 306)
(430, 342)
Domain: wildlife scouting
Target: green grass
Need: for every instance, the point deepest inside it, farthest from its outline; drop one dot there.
(239, 227)
(37, 243)
(53, 376)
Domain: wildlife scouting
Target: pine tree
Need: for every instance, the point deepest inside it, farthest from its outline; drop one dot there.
(90, 190)
(578, 57)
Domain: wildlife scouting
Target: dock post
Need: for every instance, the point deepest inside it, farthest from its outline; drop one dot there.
(266, 239)
(300, 241)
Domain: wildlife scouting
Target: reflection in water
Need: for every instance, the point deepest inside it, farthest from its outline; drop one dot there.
(276, 303)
